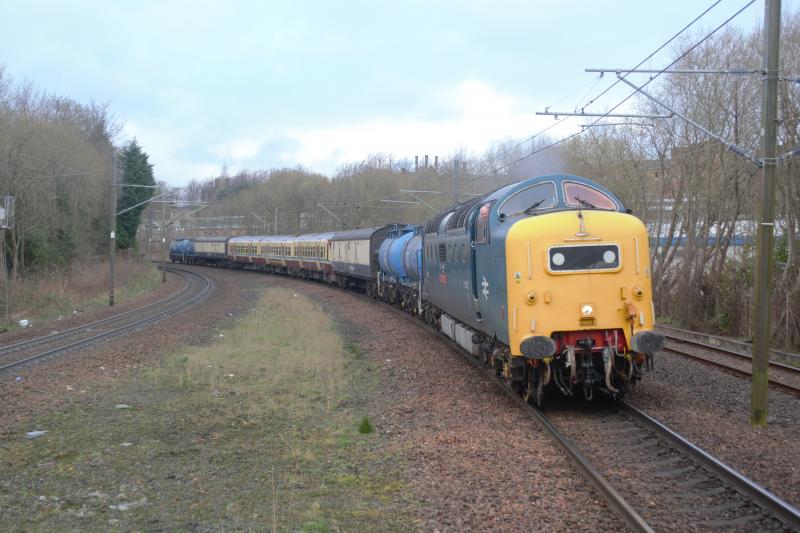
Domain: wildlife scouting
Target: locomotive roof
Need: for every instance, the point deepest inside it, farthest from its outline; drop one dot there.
(511, 188)
(460, 212)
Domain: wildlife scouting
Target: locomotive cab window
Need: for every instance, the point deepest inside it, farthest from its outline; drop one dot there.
(583, 258)
(580, 195)
(482, 224)
(539, 196)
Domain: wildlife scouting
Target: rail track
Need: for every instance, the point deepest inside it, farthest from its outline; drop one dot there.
(783, 376)
(709, 494)
(196, 287)
(672, 483)
(655, 479)
(732, 344)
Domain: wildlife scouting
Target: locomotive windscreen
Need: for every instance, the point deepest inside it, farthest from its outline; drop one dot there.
(589, 257)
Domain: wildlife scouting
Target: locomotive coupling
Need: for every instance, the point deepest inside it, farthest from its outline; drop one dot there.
(538, 347)
(647, 342)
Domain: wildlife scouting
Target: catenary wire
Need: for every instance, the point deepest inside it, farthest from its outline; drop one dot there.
(651, 79)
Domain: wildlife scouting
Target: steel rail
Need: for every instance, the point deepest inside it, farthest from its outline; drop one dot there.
(20, 345)
(746, 348)
(732, 353)
(614, 499)
(784, 511)
(205, 290)
(785, 387)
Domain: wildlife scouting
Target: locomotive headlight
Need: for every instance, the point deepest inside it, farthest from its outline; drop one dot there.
(587, 310)
(558, 259)
(609, 256)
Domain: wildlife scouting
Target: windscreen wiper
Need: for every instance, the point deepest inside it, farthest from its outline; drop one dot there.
(533, 206)
(584, 203)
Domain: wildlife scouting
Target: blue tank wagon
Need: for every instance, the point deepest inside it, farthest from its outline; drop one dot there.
(181, 250)
(400, 259)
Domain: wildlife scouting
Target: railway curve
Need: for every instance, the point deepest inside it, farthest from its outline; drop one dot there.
(196, 288)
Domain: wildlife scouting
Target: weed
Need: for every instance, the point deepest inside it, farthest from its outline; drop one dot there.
(365, 427)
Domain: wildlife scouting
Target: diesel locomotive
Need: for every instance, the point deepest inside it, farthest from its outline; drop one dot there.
(546, 280)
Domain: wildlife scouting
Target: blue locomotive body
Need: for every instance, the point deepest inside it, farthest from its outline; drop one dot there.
(180, 250)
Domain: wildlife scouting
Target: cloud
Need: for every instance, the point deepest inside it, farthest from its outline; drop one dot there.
(475, 116)
(238, 149)
(168, 152)
(471, 115)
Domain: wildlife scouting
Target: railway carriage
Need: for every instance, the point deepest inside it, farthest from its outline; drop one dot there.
(210, 250)
(277, 249)
(354, 255)
(248, 251)
(311, 259)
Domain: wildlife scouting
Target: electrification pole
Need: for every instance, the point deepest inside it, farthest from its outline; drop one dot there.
(163, 242)
(113, 234)
(766, 227)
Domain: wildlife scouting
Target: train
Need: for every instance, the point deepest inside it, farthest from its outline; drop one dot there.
(546, 280)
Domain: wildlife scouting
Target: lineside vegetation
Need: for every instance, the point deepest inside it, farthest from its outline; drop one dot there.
(257, 431)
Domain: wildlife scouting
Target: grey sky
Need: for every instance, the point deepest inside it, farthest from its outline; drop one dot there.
(272, 84)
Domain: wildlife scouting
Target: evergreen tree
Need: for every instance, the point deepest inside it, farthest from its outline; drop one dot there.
(136, 170)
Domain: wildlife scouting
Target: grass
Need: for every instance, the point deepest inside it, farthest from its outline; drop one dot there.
(82, 286)
(259, 431)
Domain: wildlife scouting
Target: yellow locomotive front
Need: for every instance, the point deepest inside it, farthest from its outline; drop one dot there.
(580, 300)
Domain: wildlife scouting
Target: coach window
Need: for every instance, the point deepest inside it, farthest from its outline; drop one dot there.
(482, 224)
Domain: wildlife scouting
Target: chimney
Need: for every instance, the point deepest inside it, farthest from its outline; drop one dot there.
(416, 163)
(436, 163)
(426, 160)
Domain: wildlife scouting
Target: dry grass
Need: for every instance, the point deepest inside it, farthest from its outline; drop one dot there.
(257, 432)
(82, 286)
